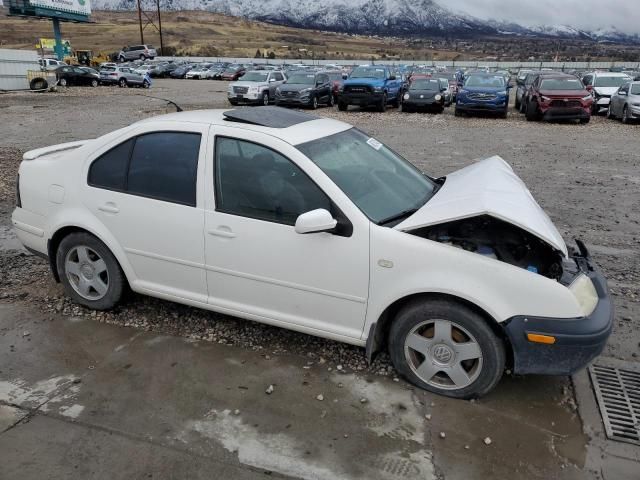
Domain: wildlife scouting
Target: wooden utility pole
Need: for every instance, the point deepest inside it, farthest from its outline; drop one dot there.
(140, 22)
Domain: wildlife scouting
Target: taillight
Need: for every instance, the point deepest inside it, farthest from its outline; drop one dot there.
(18, 199)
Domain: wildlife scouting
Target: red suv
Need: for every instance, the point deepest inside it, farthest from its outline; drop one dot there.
(560, 96)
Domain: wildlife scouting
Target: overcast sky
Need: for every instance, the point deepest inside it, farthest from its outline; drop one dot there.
(624, 15)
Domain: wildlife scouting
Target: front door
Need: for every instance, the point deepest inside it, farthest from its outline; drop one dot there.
(257, 265)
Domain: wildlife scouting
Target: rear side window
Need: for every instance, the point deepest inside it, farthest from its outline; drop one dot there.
(164, 166)
(160, 165)
(110, 170)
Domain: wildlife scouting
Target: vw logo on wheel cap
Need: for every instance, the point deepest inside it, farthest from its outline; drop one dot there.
(442, 354)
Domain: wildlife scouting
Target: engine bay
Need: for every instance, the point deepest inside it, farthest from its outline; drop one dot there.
(500, 240)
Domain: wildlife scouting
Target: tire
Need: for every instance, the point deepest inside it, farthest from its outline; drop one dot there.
(584, 121)
(523, 106)
(532, 112)
(342, 106)
(314, 103)
(625, 115)
(94, 83)
(62, 82)
(331, 101)
(382, 106)
(235, 102)
(517, 105)
(38, 84)
(459, 331)
(610, 114)
(146, 84)
(121, 59)
(89, 272)
(122, 83)
(265, 98)
(457, 113)
(142, 57)
(504, 114)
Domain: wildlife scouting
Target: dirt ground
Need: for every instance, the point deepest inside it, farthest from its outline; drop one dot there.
(587, 177)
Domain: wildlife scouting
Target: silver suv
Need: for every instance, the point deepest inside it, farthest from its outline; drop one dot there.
(256, 87)
(123, 76)
(135, 52)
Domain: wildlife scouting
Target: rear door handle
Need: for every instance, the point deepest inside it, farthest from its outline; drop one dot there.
(222, 231)
(109, 207)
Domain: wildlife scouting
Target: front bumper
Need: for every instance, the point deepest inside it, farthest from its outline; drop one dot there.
(468, 106)
(361, 99)
(560, 113)
(578, 340)
(424, 102)
(245, 98)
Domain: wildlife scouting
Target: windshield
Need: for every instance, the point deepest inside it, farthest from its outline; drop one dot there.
(484, 81)
(610, 81)
(302, 78)
(367, 72)
(379, 182)
(635, 89)
(108, 69)
(561, 84)
(231, 70)
(255, 77)
(424, 84)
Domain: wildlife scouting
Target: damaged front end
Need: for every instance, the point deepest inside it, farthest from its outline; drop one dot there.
(500, 240)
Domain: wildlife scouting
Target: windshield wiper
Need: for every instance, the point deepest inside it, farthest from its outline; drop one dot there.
(398, 216)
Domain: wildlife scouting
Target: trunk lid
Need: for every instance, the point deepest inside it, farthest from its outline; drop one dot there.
(488, 187)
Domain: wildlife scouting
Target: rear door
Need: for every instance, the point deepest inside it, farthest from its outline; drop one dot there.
(146, 190)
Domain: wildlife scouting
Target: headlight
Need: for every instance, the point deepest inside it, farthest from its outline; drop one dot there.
(438, 97)
(584, 291)
(377, 89)
(253, 89)
(406, 96)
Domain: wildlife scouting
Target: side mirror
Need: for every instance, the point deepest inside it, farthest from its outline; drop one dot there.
(623, 93)
(319, 220)
(392, 77)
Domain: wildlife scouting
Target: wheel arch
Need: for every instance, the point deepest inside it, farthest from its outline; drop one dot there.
(379, 330)
(63, 231)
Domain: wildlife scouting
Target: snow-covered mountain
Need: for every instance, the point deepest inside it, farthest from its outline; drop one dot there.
(381, 17)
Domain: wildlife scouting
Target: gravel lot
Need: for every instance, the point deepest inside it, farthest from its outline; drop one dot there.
(585, 176)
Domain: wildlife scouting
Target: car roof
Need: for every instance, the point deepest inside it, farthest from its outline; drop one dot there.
(289, 125)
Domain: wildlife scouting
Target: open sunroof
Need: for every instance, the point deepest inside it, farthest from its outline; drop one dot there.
(274, 117)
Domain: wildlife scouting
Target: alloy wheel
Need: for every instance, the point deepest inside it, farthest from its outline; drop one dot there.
(625, 115)
(87, 272)
(443, 354)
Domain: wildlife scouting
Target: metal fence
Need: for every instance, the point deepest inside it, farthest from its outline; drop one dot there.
(449, 64)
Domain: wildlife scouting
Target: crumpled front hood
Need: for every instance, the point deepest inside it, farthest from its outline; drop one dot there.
(488, 187)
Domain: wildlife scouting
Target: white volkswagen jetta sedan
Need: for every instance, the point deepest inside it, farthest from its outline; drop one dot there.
(310, 224)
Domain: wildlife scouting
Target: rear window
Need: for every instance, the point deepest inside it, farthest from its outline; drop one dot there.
(635, 89)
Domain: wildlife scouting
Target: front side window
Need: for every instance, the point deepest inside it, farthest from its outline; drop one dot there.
(160, 165)
(379, 182)
(635, 89)
(254, 181)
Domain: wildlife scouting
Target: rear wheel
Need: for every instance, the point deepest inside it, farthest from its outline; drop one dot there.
(314, 102)
(122, 83)
(446, 348)
(89, 272)
(62, 82)
(38, 84)
(142, 57)
(146, 84)
(94, 83)
(265, 98)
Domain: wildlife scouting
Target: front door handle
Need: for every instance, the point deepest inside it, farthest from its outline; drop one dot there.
(222, 231)
(109, 207)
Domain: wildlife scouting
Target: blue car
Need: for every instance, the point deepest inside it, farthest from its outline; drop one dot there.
(371, 86)
(483, 92)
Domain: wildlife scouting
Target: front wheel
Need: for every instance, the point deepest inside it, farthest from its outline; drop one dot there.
(532, 112)
(94, 83)
(314, 103)
(265, 98)
(331, 101)
(89, 272)
(625, 115)
(63, 82)
(446, 348)
(342, 106)
(122, 83)
(382, 106)
(146, 84)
